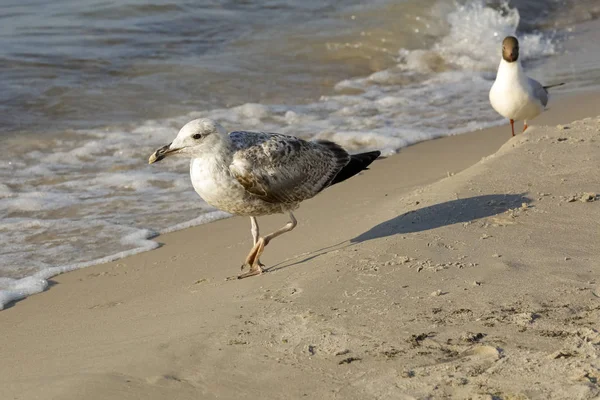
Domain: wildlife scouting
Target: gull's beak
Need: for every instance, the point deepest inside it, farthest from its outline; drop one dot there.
(162, 153)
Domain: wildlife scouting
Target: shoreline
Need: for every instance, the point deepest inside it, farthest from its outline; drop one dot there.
(486, 140)
(430, 273)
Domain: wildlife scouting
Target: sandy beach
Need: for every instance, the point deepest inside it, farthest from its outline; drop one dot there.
(464, 267)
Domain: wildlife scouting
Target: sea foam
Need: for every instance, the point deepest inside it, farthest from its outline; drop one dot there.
(15, 289)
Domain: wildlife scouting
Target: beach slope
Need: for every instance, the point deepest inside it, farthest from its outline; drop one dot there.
(396, 284)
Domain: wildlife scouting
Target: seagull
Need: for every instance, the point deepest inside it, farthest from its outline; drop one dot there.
(257, 173)
(514, 95)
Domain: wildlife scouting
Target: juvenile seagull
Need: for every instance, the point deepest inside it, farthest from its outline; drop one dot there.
(257, 173)
(514, 95)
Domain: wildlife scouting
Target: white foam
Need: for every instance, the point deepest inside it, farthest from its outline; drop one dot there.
(16, 289)
(35, 201)
(203, 219)
(5, 191)
(473, 41)
(252, 111)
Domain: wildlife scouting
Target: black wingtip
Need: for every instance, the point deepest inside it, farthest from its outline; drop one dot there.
(357, 163)
(555, 85)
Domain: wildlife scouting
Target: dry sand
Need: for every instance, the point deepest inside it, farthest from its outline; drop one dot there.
(395, 284)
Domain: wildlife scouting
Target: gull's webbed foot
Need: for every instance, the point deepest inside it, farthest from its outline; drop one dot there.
(253, 261)
(253, 271)
(243, 266)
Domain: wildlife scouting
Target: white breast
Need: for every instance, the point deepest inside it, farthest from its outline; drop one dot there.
(511, 95)
(213, 182)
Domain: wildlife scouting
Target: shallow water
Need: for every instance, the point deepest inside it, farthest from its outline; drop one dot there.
(88, 89)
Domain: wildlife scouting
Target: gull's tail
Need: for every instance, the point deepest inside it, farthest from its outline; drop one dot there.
(555, 85)
(357, 163)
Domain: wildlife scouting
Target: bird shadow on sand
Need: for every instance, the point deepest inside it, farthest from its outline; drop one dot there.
(444, 214)
(307, 257)
(423, 219)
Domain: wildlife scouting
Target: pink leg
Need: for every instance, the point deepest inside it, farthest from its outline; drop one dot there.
(253, 257)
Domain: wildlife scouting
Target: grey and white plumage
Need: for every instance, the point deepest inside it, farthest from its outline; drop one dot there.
(514, 95)
(257, 173)
(284, 170)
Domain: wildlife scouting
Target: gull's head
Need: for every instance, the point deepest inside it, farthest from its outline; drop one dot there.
(194, 138)
(510, 49)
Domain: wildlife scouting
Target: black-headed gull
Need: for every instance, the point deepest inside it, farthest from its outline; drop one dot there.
(514, 95)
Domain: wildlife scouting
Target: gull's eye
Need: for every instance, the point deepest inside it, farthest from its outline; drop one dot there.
(197, 136)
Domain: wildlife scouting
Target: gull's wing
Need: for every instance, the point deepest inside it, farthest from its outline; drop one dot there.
(284, 169)
(539, 91)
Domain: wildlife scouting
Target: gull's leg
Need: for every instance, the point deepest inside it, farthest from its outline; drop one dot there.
(254, 229)
(288, 227)
(255, 236)
(512, 125)
(257, 250)
(524, 126)
(252, 259)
